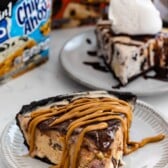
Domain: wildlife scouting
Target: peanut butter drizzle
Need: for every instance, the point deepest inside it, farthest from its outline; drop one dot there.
(90, 114)
(81, 137)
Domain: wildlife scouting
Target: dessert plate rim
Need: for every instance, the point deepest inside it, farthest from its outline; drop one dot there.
(70, 71)
(10, 162)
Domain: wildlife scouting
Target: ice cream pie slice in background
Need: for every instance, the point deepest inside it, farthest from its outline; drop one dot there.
(132, 41)
(83, 130)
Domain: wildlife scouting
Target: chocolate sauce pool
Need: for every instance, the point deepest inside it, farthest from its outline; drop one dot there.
(160, 73)
(97, 66)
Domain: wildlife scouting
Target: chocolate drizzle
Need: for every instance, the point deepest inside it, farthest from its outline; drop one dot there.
(97, 66)
(128, 44)
(166, 49)
(160, 74)
(118, 86)
(92, 53)
(160, 69)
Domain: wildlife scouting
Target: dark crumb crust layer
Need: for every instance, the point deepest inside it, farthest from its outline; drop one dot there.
(127, 96)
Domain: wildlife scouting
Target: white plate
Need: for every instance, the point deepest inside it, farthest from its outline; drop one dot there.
(146, 123)
(74, 53)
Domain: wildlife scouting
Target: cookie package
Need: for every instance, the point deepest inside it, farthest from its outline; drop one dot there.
(75, 13)
(24, 36)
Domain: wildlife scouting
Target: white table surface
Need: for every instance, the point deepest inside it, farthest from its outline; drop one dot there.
(50, 80)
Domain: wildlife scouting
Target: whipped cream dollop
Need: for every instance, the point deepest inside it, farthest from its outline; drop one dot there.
(134, 17)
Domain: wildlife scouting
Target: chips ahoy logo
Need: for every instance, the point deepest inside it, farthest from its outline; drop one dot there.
(4, 14)
(30, 13)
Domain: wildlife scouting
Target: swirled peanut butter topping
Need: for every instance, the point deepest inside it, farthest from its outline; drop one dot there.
(88, 114)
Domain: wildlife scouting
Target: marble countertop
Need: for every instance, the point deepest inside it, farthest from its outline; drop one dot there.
(49, 80)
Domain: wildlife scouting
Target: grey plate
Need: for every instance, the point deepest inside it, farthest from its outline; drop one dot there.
(74, 54)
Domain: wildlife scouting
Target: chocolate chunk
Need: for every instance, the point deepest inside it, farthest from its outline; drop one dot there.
(141, 52)
(135, 57)
(7, 45)
(106, 40)
(104, 138)
(117, 53)
(13, 43)
(88, 41)
(24, 38)
(56, 146)
(72, 12)
(2, 49)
